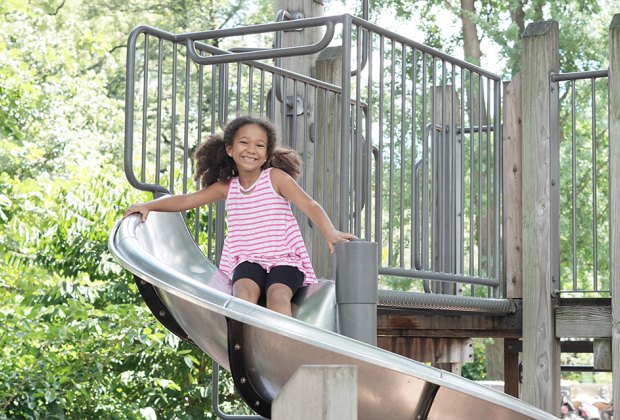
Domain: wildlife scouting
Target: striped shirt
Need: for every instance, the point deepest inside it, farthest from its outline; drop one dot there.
(262, 229)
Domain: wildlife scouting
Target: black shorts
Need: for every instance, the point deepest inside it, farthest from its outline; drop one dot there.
(284, 274)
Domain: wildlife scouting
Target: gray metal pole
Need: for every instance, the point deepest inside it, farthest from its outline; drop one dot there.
(356, 275)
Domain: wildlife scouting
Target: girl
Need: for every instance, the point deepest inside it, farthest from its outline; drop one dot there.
(264, 252)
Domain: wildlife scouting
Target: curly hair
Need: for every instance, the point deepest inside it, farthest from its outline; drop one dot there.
(212, 163)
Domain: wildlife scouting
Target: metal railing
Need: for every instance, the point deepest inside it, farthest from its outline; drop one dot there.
(581, 133)
(401, 145)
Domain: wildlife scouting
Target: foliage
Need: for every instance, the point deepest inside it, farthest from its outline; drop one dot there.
(582, 22)
(476, 370)
(77, 341)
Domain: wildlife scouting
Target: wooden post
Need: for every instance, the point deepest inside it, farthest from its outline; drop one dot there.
(512, 187)
(326, 392)
(295, 115)
(614, 201)
(328, 146)
(541, 349)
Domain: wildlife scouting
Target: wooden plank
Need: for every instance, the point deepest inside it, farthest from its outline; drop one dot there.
(583, 322)
(435, 324)
(511, 369)
(541, 350)
(602, 354)
(294, 128)
(512, 171)
(430, 349)
(614, 199)
(333, 394)
(327, 146)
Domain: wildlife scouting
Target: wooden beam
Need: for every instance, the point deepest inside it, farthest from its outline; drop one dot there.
(333, 396)
(583, 322)
(512, 187)
(430, 349)
(614, 199)
(541, 352)
(461, 326)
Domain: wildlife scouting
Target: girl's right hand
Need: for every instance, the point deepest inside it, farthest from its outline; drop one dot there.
(138, 208)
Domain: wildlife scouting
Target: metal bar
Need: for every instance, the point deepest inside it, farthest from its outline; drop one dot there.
(391, 175)
(258, 55)
(497, 192)
(574, 181)
(173, 117)
(403, 95)
(559, 77)
(379, 195)
(185, 132)
(594, 191)
(145, 106)
(425, 157)
(434, 275)
(424, 48)
(414, 159)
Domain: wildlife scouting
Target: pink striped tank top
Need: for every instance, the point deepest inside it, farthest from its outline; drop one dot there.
(262, 229)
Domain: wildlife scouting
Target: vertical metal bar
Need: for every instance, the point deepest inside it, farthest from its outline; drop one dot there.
(442, 209)
(594, 190)
(424, 204)
(433, 168)
(498, 138)
(305, 143)
(160, 73)
(294, 140)
(188, 68)
(452, 178)
(145, 104)
(489, 170)
(250, 90)
(472, 231)
(173, 128)
(262, 93)
(369, 142)
(391, 179)
(346, 118)
(403, 104)
(480, 163)
(379, 212)
(197, 225)
(359, 163)
(239, 83)
(462, 174)
(414, 158)
(574, 180)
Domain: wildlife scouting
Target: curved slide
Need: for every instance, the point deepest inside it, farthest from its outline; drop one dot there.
(263, 349)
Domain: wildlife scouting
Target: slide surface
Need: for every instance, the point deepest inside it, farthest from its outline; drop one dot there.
(263, 349)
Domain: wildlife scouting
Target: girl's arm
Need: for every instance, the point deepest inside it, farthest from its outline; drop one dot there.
(181, 202)
(288, 188)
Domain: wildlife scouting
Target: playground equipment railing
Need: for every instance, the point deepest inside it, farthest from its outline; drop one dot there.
(580, 132)
(401, 143)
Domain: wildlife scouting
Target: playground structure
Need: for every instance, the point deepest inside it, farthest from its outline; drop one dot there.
(407, 147)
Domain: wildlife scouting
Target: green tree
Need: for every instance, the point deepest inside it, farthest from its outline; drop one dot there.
(77, 341)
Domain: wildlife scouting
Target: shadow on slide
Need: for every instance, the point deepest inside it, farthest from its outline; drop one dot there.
(263, 349)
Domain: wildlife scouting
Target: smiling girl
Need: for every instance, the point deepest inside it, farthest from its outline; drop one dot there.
(264, 252)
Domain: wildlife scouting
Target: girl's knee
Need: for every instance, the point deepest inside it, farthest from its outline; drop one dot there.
(246, 290)
(279, 298)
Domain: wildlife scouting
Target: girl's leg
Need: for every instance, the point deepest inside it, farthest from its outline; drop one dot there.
(246, 289)
(279, 298)
(248, 281)
(282, 283)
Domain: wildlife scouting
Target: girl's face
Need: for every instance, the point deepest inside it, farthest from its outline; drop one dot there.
(249, 148)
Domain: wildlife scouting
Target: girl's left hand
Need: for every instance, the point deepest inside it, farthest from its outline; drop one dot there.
(337, 236)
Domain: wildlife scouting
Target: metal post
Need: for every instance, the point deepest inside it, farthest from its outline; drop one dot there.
(356, 277)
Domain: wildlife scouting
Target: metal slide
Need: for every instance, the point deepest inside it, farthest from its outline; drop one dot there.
(263, 349)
